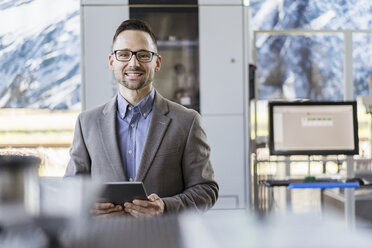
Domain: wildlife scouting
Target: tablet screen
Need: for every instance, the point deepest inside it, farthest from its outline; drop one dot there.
(120, 192)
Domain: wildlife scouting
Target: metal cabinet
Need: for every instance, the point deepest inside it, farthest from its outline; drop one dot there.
(222, 92)
(221, 59)
(227, 157)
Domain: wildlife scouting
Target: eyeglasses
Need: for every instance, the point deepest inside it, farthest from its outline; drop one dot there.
(142, 55)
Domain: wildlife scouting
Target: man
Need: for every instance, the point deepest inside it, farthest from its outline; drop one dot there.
(141, 136)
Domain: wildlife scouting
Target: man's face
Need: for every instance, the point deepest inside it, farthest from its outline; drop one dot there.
(134, 75)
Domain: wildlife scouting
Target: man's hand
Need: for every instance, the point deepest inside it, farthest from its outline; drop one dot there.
(107, 209)
(139, 208)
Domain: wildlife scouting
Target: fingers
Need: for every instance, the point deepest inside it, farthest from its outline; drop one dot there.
(136, 213)
(144, 212)
(141, 203)
(135, 210)
(144, 208)
(105, 208)
(147, 204)
(103, 205)
(139, 208)
(153, 197)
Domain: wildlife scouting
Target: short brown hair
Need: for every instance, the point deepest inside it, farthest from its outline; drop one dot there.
(135, 24)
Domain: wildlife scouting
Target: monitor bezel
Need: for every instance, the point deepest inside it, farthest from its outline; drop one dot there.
(354, 151)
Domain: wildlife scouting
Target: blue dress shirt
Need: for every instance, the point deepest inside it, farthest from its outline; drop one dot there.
(133, 124)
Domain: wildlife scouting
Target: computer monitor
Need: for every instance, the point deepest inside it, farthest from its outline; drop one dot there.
(313, 128)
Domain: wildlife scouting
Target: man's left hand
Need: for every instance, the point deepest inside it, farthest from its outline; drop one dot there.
(139, 208)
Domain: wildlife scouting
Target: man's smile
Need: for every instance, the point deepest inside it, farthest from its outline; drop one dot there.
(133, 74)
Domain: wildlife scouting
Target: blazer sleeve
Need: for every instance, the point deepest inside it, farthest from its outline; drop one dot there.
(79, 157)
(201, 190)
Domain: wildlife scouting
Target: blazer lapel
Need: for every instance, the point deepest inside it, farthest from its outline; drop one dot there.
(108, 133)
(158, 126)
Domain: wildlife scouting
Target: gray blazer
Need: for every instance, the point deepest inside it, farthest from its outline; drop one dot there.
(175, 161)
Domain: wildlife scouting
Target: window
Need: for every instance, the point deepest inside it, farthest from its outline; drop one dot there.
(40, 79)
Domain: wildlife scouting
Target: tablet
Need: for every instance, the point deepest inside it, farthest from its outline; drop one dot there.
(120, 192)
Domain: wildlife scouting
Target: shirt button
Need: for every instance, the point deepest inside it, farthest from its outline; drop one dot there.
(122, 115)
(130, 151)
(130, 108)
(132, 125)
(144, 114)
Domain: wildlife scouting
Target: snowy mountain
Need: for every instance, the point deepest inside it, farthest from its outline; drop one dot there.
(40, 54)
(311, 66)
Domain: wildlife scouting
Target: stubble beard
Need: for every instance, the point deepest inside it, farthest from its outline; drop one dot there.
(142, 84)
(134, 86)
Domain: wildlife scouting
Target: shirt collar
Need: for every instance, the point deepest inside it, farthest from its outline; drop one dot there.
(144, 106)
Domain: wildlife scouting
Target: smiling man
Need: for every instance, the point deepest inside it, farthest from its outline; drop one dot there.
(141, 136)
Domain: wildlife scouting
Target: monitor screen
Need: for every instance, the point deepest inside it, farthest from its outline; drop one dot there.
(313, 128)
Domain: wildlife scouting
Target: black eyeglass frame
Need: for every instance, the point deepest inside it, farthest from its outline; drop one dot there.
(134, 53)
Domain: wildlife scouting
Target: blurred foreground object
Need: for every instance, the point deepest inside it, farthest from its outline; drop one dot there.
(35, 212)
(19, 188)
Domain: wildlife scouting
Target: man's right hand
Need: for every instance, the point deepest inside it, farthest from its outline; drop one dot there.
(107, 209)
